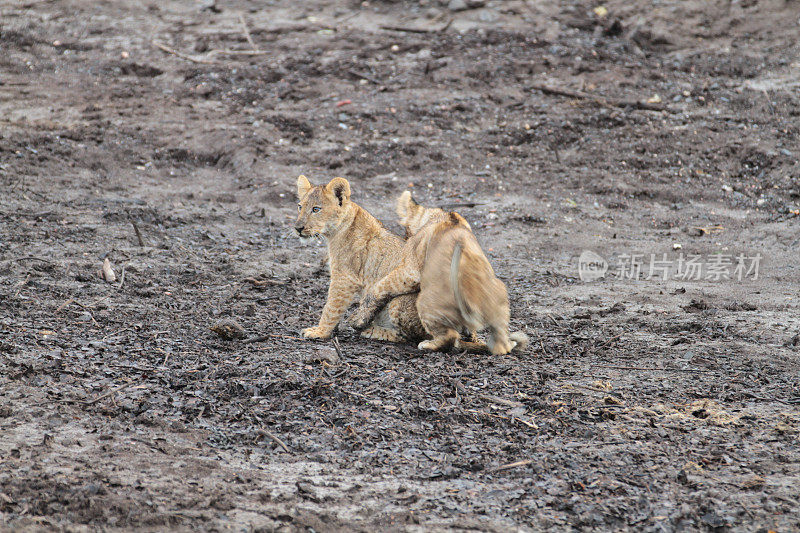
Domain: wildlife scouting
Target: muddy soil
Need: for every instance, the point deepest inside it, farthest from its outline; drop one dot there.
(165, 138)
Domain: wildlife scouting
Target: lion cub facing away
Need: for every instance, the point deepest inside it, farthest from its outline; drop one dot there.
(458, 289)
(360, 252)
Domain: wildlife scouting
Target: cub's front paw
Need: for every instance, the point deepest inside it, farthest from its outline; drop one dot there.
(359, 320)
(315, 333)
(363, 314)
(428, 346)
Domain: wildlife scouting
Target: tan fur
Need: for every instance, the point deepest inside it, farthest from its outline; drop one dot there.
(360, 252)
(458, 288)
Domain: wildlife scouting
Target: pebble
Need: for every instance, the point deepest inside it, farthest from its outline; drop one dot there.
(432, 13)
(488, 15)
(228, 329)
(326, 353)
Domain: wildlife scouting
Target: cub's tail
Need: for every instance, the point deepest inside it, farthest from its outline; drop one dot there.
(520, 340)
(470, 317)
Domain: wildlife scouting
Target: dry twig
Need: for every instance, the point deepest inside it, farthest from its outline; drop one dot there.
(181, 55)
(276, 439)
(614, 367)
(22, 284)
(464, 205)
(410, 29)
(107, 394)
(358, 74)
(261, 338)
(601, 100)
(247, 32)
(501, 401)
(29, 258)
(238, 52)
(516, 464)
(138, 233)
(338, 348)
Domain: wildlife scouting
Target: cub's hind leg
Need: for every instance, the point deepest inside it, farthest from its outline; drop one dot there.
(443, 339)
(498, 316)
(402, 315)
(403, 280)
(440, 343)
(397, 322)
(472, 346)
(498, 341)
(382, 334)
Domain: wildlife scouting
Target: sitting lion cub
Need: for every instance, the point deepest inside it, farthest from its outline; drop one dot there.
(457, 286)
(360, 252)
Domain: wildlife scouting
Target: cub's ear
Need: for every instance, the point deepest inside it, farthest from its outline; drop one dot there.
(303, 186)
(340, 189)
(405, 204)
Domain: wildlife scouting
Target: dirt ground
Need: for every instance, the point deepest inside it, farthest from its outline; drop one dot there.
(641, 404)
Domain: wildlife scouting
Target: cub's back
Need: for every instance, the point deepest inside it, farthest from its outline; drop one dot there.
(383, 253)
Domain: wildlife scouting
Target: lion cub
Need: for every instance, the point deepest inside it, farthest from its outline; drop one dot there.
(457, 286)
(360, 252)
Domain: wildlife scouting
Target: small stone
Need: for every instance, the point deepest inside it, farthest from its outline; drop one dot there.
(107, 272)
(488, 15)
(305, 488)
(432, 13)
(714, 520)
(457, 5)
(325, 354)
(203, 89)
(228, 329)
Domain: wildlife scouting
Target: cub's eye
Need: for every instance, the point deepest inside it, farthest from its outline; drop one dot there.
(299, 207)
(316, 210)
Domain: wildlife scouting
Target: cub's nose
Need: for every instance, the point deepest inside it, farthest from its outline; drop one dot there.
(299, 229)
